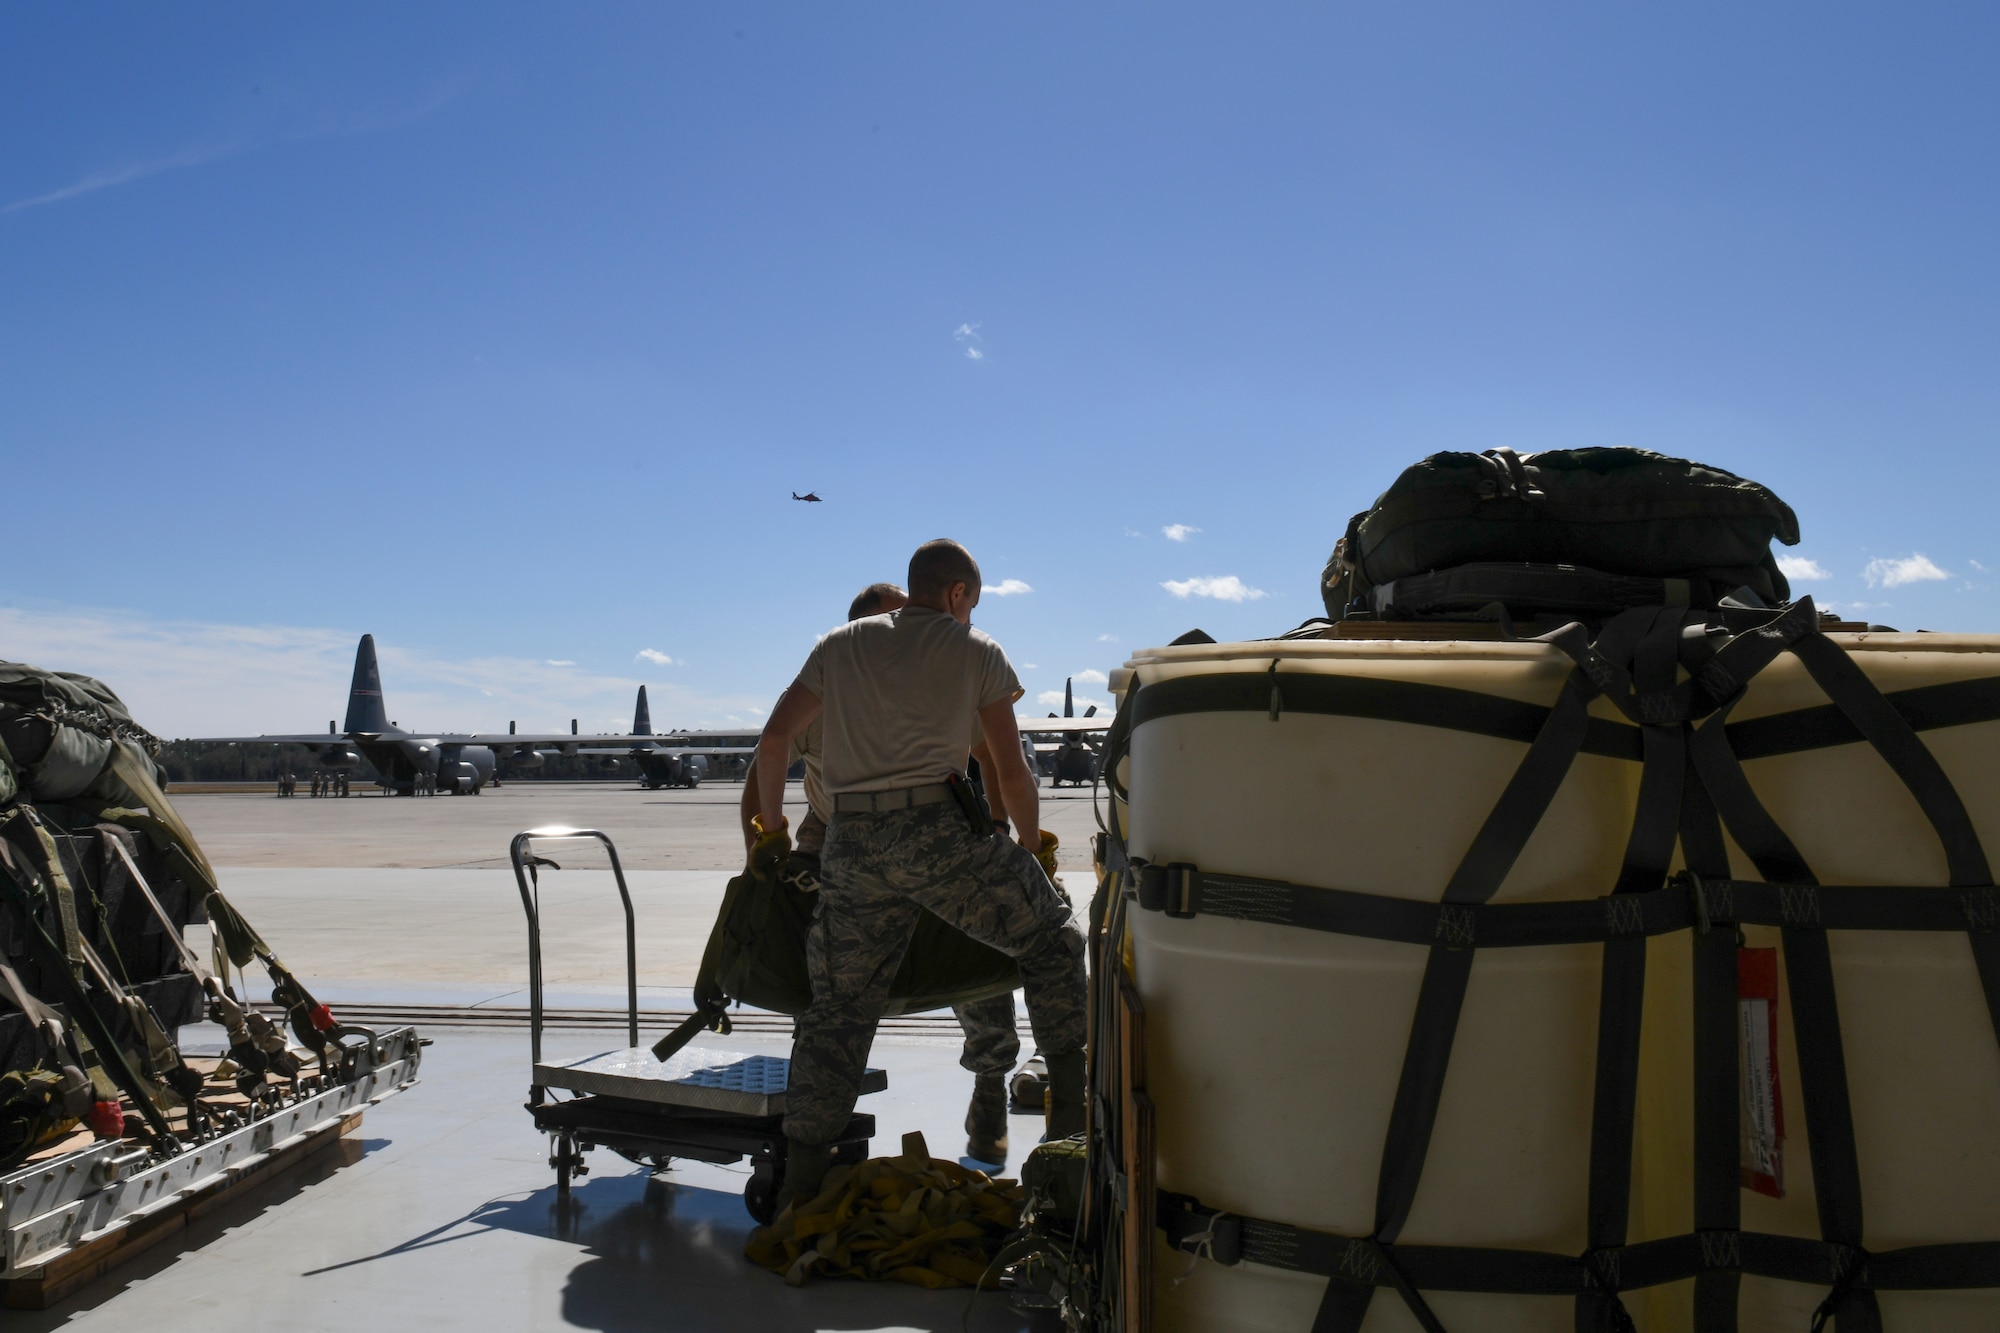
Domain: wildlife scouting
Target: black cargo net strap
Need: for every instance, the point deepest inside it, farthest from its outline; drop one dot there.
(1688, 901)
(1649, 849)
(1441, 996)
(1691, 801)
(1413, 703)
(1232, 1238)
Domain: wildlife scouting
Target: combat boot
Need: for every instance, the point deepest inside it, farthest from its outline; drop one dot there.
(986, 1120)
(805, 1171)
(1069, 1094)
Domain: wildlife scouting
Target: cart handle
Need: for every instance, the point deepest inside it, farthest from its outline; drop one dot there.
(530, 885)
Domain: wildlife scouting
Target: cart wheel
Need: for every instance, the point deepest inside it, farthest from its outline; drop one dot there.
(760, 1196)
(567, 1159)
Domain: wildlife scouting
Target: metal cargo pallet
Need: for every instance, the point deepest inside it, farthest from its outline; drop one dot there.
(65, 1220)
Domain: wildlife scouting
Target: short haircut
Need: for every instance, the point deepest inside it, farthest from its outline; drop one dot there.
(868, 602)
(939, 564)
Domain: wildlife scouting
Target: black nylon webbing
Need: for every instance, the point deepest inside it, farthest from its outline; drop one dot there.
(1923, 708)
(1359, 1262)
(1713, 1019)
(1420, 1087)
(1184, 890)
(1856, 696)
(1815, 1025)
(1622, 986)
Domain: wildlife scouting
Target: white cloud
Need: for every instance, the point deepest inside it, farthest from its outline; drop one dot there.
(1107, 638)
(1091, 677)
(657, 658)
(1031, 666)
(194, 678)
(1009, 588)
(1178, 532)
(557, 662)
(1976, 565)
(1054, 699)
(1914, 568)
(974, 354)
(1228, 588)
(1802, 569)
(967, 333)
(1134, 532)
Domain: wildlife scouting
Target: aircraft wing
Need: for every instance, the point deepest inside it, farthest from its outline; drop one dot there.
(1035, 725)
(667, 751)
(557, 739)
(316, 738)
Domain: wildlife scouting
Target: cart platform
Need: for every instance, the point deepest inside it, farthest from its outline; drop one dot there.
(701, 1079)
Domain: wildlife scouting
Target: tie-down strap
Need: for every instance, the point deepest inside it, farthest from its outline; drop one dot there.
(1687, 901)
(1231, 1238)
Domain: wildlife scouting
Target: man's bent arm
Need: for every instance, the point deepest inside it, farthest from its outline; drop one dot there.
(794, 713)
(748, 808)
(1010, 772)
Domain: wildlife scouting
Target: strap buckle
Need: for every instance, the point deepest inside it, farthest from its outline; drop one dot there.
(1170, 888)
(1222, 1242)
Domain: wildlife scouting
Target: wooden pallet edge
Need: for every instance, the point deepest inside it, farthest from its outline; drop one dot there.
(75, 1269)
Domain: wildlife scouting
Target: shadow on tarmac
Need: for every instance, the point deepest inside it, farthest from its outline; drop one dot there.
(659, 1254)
(198, 1233)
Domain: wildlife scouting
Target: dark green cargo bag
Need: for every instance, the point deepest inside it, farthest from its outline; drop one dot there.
(1621, 512)
(37, 1106)
(757, 955)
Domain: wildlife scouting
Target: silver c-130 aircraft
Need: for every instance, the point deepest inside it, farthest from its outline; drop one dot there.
(455, 762)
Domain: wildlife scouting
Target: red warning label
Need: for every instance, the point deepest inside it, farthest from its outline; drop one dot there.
(1762, 1116)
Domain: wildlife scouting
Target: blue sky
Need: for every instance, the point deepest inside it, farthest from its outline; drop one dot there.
(505, 332)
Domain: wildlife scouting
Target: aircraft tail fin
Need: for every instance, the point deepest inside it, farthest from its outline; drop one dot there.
(365, 710)
(1069, 703)
(642, 716)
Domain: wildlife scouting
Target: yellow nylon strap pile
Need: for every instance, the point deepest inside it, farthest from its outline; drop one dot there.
(911, 1218)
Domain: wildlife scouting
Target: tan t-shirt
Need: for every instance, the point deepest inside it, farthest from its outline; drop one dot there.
(809, 746)
(897, 691)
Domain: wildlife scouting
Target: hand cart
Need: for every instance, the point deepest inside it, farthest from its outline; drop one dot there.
(702, 1104)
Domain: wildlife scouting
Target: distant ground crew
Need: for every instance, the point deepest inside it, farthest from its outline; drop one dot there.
(895, 691)
(992, 1042)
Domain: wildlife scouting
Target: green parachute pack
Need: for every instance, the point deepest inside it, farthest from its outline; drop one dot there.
(756, 955)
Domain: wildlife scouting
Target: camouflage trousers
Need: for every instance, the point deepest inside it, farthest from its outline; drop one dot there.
(992, 1041)
(879, 869)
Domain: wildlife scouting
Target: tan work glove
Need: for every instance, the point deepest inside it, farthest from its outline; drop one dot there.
(772, 851)
(1047, 856)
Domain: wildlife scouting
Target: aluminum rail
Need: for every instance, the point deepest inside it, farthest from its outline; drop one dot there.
(525, 865)
(51, 1207)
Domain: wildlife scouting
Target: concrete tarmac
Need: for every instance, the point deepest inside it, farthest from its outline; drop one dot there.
(388, 892)
(654, 830)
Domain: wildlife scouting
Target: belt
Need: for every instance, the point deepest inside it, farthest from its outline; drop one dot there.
(896, 798)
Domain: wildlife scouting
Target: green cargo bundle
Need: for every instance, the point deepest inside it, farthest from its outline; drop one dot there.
(1687, 533)
(98, 878)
